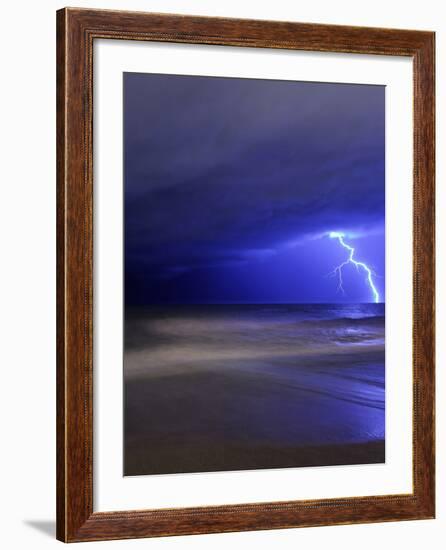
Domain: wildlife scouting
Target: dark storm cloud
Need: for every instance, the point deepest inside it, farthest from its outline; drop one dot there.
(223, 171)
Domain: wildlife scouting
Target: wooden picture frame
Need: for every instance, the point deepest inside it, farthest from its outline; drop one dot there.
(76, 31)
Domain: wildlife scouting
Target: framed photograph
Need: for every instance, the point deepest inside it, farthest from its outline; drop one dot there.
(245, 275)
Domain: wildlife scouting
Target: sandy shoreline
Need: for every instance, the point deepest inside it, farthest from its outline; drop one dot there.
(261, 391)
(187, 457)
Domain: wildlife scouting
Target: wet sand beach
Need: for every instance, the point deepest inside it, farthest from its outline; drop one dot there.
(213, 388)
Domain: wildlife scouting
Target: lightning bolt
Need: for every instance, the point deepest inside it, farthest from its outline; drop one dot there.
(351, 260)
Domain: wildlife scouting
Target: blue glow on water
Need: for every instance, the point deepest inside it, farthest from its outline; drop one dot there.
(290, 375)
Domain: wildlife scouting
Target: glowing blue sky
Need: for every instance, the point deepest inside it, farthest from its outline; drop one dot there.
(232, 186)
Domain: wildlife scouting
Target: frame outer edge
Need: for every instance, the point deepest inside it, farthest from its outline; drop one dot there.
(60, 278)
(74, 281)
(424, 272)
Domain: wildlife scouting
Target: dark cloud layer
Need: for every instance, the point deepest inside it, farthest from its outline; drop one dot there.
(227, 178)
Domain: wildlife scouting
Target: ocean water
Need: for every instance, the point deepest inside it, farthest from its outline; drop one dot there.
(228, 387)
